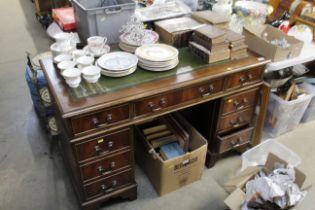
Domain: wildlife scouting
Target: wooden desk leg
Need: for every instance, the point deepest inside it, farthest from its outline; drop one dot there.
(264, 100)
(211, 158)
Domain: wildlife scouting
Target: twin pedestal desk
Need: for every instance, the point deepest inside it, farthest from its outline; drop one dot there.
(221, 100)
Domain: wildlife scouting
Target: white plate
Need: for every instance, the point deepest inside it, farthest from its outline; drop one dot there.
(150, 37)
(156, 52)
(159, 69)
(127, 48)
(110, 74)
(118, 61)
(158, 64)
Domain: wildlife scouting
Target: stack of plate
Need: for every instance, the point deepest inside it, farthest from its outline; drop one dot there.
(157, 57)
(117, 64)
(129, 45)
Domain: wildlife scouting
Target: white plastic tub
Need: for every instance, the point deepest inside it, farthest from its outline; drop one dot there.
(283, 116)
(258, 154)
(309, 113)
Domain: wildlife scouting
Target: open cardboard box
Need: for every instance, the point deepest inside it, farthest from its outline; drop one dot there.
(169, 175)
(236, 185)
(256, 43)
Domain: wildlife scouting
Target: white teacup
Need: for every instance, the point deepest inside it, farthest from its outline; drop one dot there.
(96, 43)
(67, 64)
(85, 61)
(62, 57)
(72, 77)
(64, 39)
(91, 74)
(78, 53)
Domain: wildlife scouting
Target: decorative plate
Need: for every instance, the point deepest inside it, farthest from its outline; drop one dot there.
(117, 61)
(150, 37)
(156, 52)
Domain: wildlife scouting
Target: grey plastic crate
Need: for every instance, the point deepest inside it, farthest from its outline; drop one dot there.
(102, 17)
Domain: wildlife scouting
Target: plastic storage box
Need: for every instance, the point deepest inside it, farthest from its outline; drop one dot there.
(102, 17)
(309, 113)
(258, 154)
(283, 116)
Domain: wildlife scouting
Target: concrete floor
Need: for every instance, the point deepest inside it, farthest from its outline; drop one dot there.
(32, 175)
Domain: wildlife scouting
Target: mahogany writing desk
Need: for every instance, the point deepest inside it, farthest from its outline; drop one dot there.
(97, 120)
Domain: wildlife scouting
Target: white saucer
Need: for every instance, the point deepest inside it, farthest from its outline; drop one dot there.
(103, 51)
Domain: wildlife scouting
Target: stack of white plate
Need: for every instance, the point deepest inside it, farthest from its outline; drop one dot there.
(129, 45)
(157, 57)
(117, 64)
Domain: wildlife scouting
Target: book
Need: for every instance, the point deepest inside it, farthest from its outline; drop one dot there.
(154, 129)
(212, 18)
(176, 31)
(211, 34)
(164, 140)
(206, 55)
(158, 134)
(171, 150)
(212, 47)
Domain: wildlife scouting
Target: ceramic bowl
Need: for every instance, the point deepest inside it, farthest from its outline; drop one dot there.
(74, 83)
(62, 57)
(91, 73)
(92, 79)
(67, 64)
(78, 53)
(57, 49)
(62, 37)
(71, 74)
(85, 61)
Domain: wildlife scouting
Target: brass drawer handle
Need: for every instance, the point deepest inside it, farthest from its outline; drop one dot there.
(236, 143)
(240, 105)
(203, 92)
(106, 189)
(98, 149)
(104, 171)
(153, 107)
(237, 122)
(97, 124)
(163, 102)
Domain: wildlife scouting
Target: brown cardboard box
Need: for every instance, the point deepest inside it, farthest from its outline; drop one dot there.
(235, 185)
(167, 176)
(177, 31)
(254, 40)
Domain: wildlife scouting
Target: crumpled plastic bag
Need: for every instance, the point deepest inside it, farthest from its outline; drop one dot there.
(277, 188)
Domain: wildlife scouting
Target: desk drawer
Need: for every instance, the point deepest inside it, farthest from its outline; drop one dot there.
(100, 119)
(106, 166)
(203, 90)
(239, 101)
(157, 103)
(236, 120)
(232, 141)
(103, 145)
(245, 77)
(109, 184)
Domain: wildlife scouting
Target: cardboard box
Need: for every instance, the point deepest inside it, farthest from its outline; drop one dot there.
(235, 185)
(255, 41)
(177, 31)
(167, 176)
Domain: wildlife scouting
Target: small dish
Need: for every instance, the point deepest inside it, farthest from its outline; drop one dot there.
(74, 83)
(85, 61)
(66, 65)
(91, 73)
(92, 79)
(71, 74)
(62, 57)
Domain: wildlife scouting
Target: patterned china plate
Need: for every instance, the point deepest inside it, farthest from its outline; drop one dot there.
(150, 37)
(156, 52)
(117, 61)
